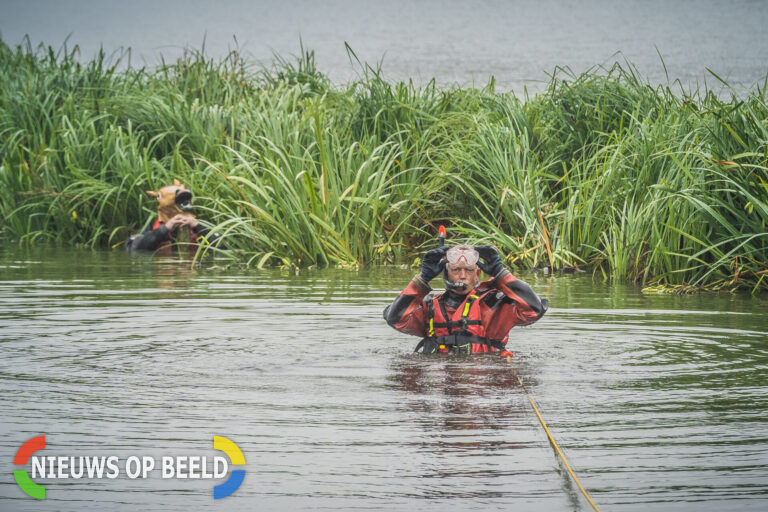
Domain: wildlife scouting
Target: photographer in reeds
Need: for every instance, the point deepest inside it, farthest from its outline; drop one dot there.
(175, 223)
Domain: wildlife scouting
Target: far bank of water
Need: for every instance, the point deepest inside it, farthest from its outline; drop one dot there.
(519, 43)
(659, 401)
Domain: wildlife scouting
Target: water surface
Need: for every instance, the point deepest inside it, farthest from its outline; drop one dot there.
(660, 403)
(456, 41)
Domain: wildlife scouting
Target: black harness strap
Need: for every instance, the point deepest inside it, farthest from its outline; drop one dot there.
(454, 341)
(441, 303)
(461, 339)
(457, 323)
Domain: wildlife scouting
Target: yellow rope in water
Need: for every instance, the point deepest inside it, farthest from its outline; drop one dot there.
(557, 448)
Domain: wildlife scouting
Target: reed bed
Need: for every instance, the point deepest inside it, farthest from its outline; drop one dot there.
(602, 171)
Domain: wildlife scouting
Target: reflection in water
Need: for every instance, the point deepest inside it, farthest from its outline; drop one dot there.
(453, 390)
(658, 402)
(474, 394)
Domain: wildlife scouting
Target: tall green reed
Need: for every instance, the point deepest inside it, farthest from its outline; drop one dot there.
(602, 170)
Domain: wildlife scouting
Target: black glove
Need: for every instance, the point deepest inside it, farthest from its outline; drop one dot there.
(490, 261)
(433, 263)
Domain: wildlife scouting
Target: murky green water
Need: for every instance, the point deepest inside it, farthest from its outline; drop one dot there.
(660, 403)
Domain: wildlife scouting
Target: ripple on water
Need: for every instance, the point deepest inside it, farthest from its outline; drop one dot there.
(655, 404)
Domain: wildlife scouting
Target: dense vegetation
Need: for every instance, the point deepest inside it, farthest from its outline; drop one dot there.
(602, 171)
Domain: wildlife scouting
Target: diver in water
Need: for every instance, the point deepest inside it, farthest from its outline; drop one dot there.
(470, 316)
(175, 223)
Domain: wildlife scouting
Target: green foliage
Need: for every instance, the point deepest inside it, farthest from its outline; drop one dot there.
(601, 170)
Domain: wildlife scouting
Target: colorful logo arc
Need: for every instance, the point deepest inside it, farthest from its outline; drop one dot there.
(21, 476)
(236, 478)
(34, 490)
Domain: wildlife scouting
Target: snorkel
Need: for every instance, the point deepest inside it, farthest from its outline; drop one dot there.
(450, 285)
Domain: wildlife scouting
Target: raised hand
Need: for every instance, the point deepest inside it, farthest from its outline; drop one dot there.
(433, 263)
(490, 261)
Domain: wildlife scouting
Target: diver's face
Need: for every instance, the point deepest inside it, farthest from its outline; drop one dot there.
(462, 273)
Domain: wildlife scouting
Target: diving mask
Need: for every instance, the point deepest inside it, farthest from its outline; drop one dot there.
(462, 254)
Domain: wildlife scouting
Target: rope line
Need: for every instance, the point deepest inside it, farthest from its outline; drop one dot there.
(557, 448)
